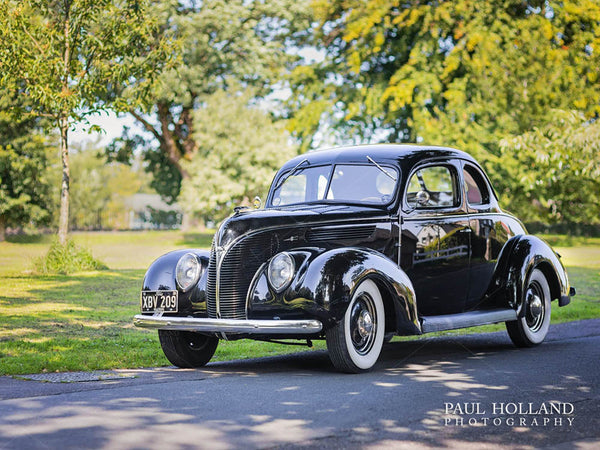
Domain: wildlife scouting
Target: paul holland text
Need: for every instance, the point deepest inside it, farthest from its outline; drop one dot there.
(517, 414)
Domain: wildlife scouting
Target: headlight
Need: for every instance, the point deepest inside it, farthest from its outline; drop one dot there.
(281, 271)
(188, 271)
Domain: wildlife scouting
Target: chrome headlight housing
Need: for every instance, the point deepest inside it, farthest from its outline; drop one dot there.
(188, 271)
(281, 271)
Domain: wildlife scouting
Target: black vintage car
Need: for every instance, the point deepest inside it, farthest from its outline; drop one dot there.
(355, 245)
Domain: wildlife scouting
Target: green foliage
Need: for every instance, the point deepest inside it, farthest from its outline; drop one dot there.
(222, 43)
(555, 170)
(242, 148)
(164, 219)
(67, 56)
(224, 40)
(99, 189)
(166, 176)
(24, 185)
(462, 73)
(72, 58)
(66, 259)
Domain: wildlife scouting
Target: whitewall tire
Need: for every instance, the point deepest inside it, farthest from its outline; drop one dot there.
(531, 329)
(355, 342)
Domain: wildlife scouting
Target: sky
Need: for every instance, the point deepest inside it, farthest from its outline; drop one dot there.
(110, 123)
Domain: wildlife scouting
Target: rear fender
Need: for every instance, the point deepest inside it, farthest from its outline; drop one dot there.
(519, 257)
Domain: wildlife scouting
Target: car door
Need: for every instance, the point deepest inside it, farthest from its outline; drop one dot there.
(435, 243)
(489, 232)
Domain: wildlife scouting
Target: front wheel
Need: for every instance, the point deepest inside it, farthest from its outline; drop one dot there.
(186, 348)
(531, 329)
(355, 342)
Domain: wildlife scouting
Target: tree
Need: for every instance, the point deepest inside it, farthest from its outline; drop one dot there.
(25, 194)
(68, 57)
(567, 152)
(460, 73)
(223, 42)
(242, 148)
(99, 190)
(464, 73)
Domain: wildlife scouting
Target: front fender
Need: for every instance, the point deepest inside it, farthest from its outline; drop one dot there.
(161, 276)
(325, 282)
(519, 257)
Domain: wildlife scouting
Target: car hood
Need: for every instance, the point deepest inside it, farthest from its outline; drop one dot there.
(249, 221)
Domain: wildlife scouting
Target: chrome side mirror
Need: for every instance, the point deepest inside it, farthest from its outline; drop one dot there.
(257, 202)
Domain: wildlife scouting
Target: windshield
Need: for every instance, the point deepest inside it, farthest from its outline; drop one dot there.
(345, 183)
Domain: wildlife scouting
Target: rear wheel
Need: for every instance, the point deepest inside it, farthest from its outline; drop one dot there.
(531, 329)
(186, 348)
(355, 342)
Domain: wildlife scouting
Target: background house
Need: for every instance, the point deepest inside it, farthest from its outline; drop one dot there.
(149, 211)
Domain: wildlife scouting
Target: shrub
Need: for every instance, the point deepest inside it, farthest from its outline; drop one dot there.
(66, 259)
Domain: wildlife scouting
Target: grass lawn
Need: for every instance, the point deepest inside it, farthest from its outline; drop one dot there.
(83, 321)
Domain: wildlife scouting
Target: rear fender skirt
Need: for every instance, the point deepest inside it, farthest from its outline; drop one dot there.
(325, 281)
(161, 276)
(518, 258)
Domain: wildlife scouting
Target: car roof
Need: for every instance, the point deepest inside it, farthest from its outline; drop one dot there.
(403, 155)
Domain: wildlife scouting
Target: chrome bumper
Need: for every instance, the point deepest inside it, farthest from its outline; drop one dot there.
(228, 325)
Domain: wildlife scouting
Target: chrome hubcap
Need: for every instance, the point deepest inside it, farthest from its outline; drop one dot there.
(535, 307)
(363, 324)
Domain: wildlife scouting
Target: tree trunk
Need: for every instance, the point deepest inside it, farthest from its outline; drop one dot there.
(2, 228)
(63, 124)
(186, 221)
(63, 224)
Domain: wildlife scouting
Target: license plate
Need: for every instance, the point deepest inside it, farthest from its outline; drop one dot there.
(165, 301)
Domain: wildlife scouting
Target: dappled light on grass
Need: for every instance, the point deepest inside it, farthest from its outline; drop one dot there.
(45, 307)
(16, 332)
(77, 322)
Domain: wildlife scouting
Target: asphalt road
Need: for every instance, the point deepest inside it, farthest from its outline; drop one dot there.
(475, 391)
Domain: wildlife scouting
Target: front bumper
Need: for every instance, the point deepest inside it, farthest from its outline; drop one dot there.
(278, 327)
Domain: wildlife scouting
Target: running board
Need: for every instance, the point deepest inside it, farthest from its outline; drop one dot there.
(430, 324)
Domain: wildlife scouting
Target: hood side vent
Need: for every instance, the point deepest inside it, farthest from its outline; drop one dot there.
(340, 233)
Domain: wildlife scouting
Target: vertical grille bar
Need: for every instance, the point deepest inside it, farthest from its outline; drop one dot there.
(211, 285)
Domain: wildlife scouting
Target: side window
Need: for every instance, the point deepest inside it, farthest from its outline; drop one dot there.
(432, 187)
(475, 186)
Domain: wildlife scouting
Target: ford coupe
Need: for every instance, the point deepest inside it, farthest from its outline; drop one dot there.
(355, 245)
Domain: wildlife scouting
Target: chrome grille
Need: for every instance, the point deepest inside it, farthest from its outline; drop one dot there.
(238, 267)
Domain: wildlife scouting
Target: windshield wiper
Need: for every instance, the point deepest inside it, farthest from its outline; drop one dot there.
(382, 169)
(290, 173)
